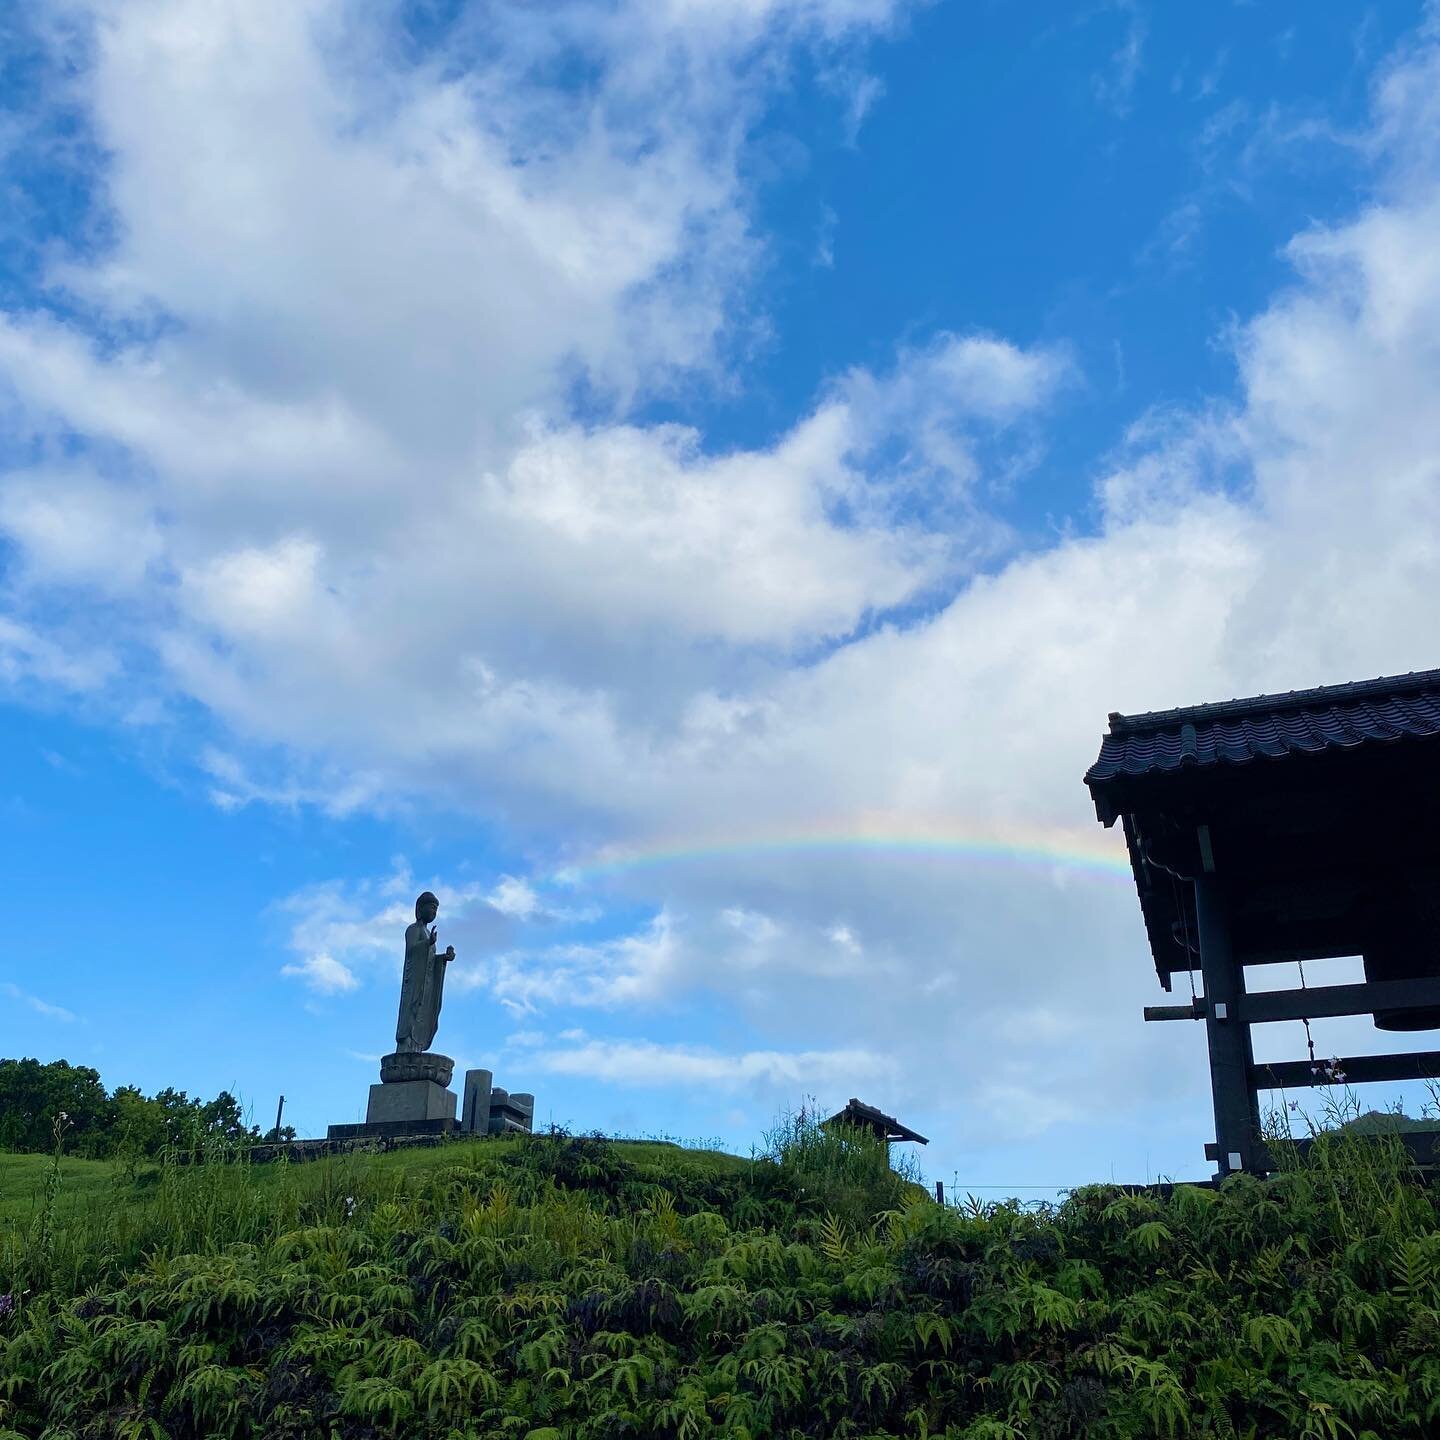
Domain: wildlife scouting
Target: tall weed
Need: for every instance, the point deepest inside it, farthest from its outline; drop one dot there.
(846, 1171)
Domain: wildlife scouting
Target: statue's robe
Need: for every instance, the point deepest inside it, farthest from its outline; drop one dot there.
(420, 990)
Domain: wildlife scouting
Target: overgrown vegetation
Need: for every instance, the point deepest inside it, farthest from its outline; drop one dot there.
(558, 1286)
(856, 1176)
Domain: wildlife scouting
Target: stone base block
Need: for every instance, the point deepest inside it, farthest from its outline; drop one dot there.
(390, 1129)
(409, 1100)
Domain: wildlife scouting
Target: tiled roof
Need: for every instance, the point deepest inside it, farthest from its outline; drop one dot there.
(1236, 732)
(867, 1117)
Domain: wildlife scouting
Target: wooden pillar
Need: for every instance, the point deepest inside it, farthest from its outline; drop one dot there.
(1237, 1118)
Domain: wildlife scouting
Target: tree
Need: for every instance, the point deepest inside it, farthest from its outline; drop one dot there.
(139, 1123)
(33, 1096)
(223, 1119)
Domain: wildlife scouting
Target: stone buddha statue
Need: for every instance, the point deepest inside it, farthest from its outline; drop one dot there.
(423, 982)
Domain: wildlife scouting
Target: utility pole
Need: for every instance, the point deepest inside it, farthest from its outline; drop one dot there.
(279, 1111)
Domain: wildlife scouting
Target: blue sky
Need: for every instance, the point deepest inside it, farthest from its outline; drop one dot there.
(686, 482)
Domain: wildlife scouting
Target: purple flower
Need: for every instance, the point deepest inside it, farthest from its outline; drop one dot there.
(7, 1305)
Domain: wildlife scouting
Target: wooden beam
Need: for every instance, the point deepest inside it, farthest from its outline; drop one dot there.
(1423, 1147)
(1327, 1000)
(1237, 1115)
(1357, 1070)
(1191, 1010)
(1336, 946)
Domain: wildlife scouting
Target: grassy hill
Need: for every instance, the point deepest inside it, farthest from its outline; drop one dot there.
(558, 1286)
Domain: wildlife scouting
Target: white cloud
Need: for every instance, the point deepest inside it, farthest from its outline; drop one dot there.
(1115, 87)
(1287, 538)
(337, 792)
(633, 969)
(28, 656)
(324, 973)
(514, 897)
(378, 284)
(365, 929)
(650, 1065)
(346, 933)
(757, 929)
(39, 1006)
(77, 529)
(957, 377)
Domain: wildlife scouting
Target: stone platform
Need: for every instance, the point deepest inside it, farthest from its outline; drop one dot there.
(411, 1099)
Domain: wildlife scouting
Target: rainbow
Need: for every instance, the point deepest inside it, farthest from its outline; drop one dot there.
(1101, 855)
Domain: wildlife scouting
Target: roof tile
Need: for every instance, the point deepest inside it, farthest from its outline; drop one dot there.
(1236, 732)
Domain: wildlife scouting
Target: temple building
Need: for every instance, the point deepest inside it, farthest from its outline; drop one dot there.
(1302, 826)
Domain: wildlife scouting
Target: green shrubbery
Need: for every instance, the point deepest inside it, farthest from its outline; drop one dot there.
(559, 1286)
(35, 1098)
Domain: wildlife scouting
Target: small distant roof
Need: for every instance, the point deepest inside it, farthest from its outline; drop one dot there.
(1236, 732)
(867, 1117)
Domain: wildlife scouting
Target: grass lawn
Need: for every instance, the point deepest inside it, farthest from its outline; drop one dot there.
(89, 1188)
(83, 1185)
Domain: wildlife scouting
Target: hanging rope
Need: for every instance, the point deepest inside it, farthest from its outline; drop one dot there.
(1309, 1039)
(1189, 968)
(1185, 933)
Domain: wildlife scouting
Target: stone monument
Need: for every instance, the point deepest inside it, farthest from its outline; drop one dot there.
(490, 1110)
(412, 1097)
